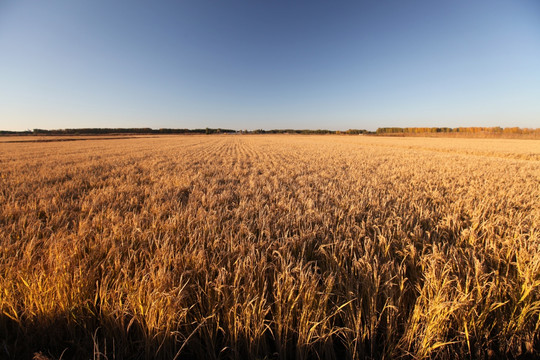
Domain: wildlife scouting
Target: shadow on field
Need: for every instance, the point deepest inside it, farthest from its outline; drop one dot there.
(62, 337)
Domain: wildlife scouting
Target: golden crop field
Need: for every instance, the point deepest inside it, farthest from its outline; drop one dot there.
(274, 246)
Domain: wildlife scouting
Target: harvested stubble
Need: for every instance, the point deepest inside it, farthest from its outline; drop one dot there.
(270, 247)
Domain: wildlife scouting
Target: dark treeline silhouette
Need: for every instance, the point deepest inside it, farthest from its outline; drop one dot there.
(6, 132)
(476, 130)
(108, 131)
(144, 131)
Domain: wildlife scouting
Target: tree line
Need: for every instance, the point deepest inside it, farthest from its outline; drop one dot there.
(495, 130)
(146, 131)
(476, 131)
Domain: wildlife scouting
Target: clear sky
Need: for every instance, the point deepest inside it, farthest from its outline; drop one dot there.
(269, 63)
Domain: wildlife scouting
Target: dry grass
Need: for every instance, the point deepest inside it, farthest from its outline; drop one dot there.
(270, 247)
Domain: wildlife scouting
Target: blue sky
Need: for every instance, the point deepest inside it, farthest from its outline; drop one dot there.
(269, 63)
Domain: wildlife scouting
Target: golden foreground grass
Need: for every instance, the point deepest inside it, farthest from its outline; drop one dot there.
(270, 247)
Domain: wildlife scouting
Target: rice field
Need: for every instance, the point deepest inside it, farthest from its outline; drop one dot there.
(270, 247)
